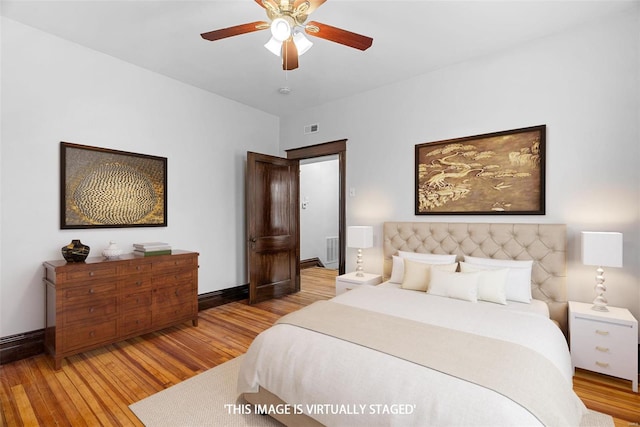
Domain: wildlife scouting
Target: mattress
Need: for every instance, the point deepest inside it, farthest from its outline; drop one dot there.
(331, 378)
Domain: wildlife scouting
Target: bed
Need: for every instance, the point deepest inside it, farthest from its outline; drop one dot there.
(469, 348)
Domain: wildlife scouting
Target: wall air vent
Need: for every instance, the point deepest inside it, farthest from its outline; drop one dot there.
(314, 128)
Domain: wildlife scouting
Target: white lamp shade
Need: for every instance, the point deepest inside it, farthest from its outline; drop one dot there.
(602, 249)
(360, 236)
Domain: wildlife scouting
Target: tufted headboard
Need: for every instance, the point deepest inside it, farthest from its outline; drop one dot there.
(545, 244)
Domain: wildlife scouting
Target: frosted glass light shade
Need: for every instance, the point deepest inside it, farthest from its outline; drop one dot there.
(302, 43)
(280, 29)
(274, 46)
(360, 236)
(299, 39)
(602, 249)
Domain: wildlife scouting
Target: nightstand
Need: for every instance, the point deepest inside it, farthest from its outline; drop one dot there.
(604, 341)
(348, 281)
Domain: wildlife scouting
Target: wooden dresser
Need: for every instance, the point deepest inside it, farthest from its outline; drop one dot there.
(100, 301)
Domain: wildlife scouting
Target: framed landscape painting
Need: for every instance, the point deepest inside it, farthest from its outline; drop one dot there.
(499, 173)
(101, 188)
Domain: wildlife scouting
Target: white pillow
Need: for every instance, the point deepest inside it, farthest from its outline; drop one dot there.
(431, 258)
(450, 284)
(397, 266)
(492, 284)
(518, 277)
(417, 275)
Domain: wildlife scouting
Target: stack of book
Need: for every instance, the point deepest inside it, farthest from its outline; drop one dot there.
(151, 249)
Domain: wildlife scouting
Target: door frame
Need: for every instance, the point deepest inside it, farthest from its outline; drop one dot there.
(338, 147)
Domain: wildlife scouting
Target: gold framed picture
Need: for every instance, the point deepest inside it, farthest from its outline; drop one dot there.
(500, 173)
(102, 188)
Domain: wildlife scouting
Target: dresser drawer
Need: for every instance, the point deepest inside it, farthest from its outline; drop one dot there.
(136, 268)
(172, 313)
(174, 262)
(93, 311)
(91, 272)
(173, 295)
(135, 321)
(136, 300)
(90, 290)
(88, 335)
(184, 276)
(135, 283)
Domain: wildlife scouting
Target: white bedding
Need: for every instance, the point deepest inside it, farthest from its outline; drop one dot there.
(306, 368)
(535, 307)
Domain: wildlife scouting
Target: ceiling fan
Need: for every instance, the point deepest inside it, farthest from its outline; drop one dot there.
(288, 26)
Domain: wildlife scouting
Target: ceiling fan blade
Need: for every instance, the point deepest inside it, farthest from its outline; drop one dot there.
(313, 5)
(289, 55)
(338, 35)
(235, 31)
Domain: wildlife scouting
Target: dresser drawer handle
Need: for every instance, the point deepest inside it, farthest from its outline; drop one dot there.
(177, 293)
(602, 364)
(92, 309)
(91, 273)
(138, 267)
(602, 349)
(599, 332)
(92, 333)
(138, 283)
(91, 291)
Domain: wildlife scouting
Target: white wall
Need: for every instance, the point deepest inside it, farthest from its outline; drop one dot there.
(583, 84)
(319, 220)
(53, 91)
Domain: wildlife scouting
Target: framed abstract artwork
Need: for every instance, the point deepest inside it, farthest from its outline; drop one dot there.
(500, 173)
(102, 188)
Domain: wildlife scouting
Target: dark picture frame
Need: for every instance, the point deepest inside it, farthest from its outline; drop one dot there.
(500, 173)
(103, 188)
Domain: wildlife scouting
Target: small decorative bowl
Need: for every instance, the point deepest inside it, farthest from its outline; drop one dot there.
(112, 252)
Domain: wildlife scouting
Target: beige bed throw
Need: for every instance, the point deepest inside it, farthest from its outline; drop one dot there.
(516, 372)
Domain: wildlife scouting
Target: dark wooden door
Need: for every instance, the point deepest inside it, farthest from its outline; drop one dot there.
(272, 226)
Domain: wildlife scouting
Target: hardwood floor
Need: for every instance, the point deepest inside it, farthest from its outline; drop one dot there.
(96, 388)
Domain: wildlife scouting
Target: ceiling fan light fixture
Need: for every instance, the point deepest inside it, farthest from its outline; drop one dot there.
(274, 46)
(280, 29)
(302, 43)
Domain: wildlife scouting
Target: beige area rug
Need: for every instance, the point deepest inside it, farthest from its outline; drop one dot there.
(200, 401)
(210, 398)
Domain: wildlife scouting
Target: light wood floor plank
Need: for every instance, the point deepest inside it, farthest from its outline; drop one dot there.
(98, 386)
(23, 405)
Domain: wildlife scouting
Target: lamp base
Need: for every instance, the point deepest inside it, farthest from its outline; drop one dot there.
(600, 302)
(359, 269)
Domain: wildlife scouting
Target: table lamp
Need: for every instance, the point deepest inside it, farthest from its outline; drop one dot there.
(361, 237)
(603, 249)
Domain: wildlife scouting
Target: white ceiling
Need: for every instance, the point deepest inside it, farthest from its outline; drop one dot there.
(410, 38)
